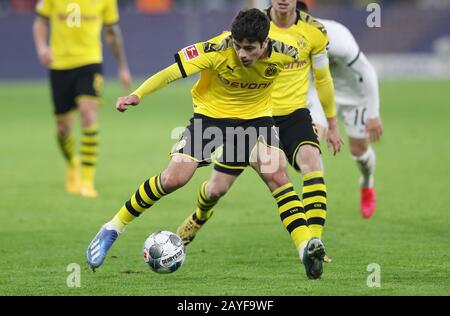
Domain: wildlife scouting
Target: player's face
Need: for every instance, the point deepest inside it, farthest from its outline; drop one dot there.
(249, 52)
(284, 6)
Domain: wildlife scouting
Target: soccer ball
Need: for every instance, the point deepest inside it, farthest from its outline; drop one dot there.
(164, 252)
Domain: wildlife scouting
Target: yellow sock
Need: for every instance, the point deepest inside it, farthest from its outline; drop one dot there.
(67, 146)
(315, 201)
(118, 223)
(89, 152)
(204, 205)
(292, 214)
(148, 194)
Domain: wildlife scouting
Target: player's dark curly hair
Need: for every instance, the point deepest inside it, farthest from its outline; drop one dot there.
(252, 25)
(302, 6)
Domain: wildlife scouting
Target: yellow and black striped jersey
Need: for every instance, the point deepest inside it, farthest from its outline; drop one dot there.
(227, 89)
(76, 29)
(290, 88)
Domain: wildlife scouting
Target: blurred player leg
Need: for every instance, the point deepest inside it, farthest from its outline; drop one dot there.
(89, 145)
(64, 106)
(66, 143)
(354, 120)
(365, 159)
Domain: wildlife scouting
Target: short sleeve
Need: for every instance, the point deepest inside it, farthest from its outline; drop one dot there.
(320, 41)
(110, 12)
(44, 8)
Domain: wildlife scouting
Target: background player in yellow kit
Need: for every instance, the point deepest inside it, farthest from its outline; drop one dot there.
(231, 103)
(289, 100)
(74, 58)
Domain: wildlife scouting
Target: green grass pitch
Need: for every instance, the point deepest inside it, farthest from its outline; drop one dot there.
(244, 249)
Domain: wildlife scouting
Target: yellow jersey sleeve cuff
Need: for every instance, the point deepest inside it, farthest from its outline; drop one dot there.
(43, 9)
(137, 93)
(109, 23)
(42, 14)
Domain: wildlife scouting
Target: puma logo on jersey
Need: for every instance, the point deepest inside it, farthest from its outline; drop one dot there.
(296, 64)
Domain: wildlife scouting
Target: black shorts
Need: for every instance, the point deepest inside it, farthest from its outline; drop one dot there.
(69, 86)
(228, 143)
(296, 129)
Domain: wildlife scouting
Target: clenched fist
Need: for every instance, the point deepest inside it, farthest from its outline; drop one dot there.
(123, 102)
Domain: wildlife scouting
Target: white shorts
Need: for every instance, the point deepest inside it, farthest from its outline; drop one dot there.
(354, 117)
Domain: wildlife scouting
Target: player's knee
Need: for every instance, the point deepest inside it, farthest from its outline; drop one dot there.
(63, 128)
(86, 122)
(171, 181)
(277, 178)
(358, 149)
(88, 114)
(88, 118)
(216, 190)
(308, 159)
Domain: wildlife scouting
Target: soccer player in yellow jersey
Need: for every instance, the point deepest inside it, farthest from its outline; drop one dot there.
(298, 135)
(75, 61)
(232, 127)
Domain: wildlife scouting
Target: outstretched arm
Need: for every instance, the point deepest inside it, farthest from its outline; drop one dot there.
(189, 61)
(152, 84)
(114, 38)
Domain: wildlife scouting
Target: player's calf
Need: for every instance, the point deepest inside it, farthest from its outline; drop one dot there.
(205, 203)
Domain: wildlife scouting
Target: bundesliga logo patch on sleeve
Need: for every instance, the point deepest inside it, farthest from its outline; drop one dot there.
(191, 52)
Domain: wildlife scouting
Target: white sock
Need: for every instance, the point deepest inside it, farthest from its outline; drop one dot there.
(301, 250)
(112, 225)
(366, 164)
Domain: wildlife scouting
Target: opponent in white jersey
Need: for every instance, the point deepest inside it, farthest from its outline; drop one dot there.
(357, 101)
